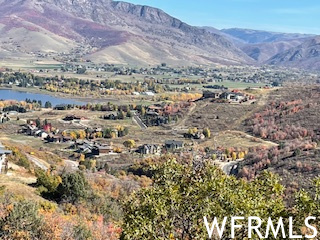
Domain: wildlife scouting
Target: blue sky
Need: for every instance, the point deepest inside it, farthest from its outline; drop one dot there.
(298, 16)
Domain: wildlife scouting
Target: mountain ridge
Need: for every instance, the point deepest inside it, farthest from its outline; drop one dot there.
(124, 33)
(306, 55)
(109, 25)
(274, 47)
(261, 36)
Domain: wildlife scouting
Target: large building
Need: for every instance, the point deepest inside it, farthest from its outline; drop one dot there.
(3, 160)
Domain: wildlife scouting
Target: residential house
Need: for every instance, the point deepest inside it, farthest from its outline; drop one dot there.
(211, 94)
(62, 107)
(73, 118)
(155, 108)
(153, 149)
(4, 118)
(29, 129)
(148, 93)
(172, 145)
(52, 138)
(153, 119)
(110, 117)
(42, 134)
(101, 149)
(233, 96)
(89, 148)
(199, 135)
(3, 160)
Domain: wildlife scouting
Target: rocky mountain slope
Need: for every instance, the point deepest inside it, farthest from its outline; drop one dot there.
(262, 52)
(306, 55)
(123, 33)
(257, 36)
(110, 31)
(263, 45)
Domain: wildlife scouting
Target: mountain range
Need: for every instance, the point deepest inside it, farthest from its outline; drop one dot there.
(123, 33)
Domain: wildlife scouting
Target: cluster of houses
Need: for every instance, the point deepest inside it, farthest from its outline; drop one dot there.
(45, 133)
(32, 130)
(154, 116)
(233, 96)
(159, 114)
(86, 147)
(174, 146)
(156, 149)
(3, 159)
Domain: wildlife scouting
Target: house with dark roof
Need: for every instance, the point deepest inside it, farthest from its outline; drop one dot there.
(211, 94)
(100, 150)
(54, 138)
(73, 118)
(172, 145)
(61, 107)
(90, 149)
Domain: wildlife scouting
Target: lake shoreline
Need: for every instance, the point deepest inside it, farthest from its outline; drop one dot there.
(85, 100)
(21, 94)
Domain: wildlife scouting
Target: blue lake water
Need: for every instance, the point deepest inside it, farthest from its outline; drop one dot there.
(22, 96)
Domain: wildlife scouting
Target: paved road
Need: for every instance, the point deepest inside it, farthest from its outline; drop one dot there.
(138, 120)
(73, 165)
(69, 164)
(37, 162)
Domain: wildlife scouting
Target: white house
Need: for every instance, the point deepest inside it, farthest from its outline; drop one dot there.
(42, 134)
(3, 154)
(148, 93)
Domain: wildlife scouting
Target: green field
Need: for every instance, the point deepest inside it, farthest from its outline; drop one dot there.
(228, 84)
(45, 66)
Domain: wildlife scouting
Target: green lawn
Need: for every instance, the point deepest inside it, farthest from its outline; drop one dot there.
(228, 84)
(45, 66)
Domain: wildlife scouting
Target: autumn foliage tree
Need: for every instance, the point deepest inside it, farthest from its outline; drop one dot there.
(173, 208)
(23, 222)
(47, 183)
(207, 132)
(129, 143)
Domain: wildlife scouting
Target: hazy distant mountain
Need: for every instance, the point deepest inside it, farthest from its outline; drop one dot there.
(263, 45)
(110, 31)
(264, 51)
(306, 55)
(258, 36)
(237, 41)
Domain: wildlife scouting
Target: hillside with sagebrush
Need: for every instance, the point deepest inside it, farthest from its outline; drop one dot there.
(290, 119)
(109, 31)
